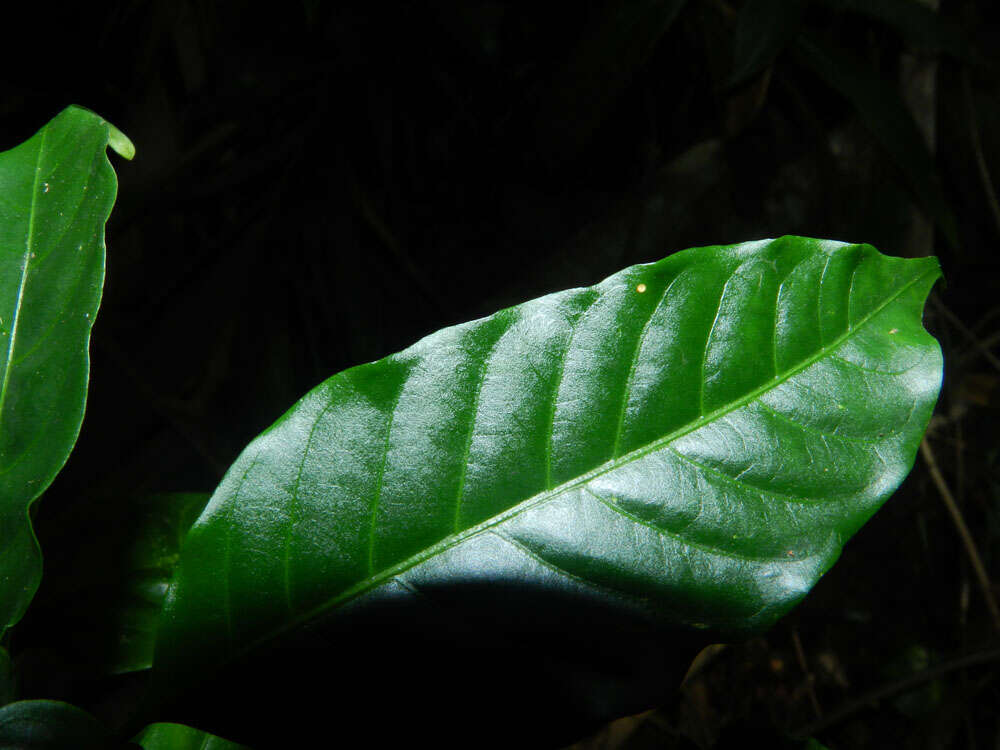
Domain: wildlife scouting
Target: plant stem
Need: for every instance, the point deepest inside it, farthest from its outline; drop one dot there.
(894, 688)
(963, 531)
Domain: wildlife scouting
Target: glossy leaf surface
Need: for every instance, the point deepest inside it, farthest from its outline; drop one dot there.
(56, 193)
(50, 725)
(694, 439)
(179, 737)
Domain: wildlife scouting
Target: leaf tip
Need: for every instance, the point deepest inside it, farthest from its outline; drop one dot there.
(120, 143)
(116, 138)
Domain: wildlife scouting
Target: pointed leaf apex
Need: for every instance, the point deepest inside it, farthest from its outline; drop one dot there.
(120, 143)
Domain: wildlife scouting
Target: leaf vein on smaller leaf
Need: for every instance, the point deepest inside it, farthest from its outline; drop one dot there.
(15, 318)
(51, 327)
(54, 244)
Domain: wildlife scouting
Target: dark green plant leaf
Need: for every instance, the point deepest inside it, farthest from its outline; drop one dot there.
(56, 193)
(881, 109)
(50, 725)
(141, 584)
(180, 737)
(763, 30)
(693, 439)
(107, 597)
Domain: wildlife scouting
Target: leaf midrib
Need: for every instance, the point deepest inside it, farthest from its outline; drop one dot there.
(24, 275)
(454, 540)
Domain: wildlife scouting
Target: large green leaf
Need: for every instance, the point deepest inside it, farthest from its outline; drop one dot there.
(693, 439)
(56, 193)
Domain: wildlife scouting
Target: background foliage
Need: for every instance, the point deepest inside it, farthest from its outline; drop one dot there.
(322, 186)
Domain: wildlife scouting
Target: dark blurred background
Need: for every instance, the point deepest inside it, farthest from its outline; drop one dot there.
(318, 185)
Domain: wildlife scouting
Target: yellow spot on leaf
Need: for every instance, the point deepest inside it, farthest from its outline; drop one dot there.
(640, 288)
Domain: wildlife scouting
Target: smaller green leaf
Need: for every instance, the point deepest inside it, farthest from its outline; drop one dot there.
(881, 109)
(56, 193)
(763, 29)
(148, 565)
(180, 737)
(50, 725)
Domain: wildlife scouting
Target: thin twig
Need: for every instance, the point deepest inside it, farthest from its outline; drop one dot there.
(800, 655)
(965, 331)
(895, 688)
(963, 531)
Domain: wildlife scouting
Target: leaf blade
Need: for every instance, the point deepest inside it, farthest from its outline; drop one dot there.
(566, 436)
(58, 188)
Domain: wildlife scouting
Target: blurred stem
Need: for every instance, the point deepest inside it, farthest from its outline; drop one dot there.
(800, 656)
(896, 687)
(963, 531)
(981, 345)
